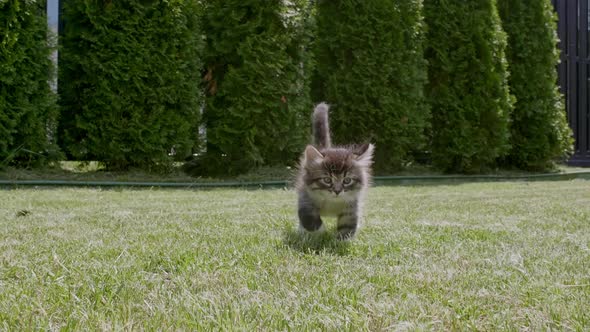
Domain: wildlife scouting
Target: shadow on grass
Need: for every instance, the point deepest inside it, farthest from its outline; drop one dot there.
(321, 243)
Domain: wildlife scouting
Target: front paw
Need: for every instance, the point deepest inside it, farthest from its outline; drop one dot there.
(311, 230)
(345, 233)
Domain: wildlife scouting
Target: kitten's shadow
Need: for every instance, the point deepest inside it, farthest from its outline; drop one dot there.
(325, 242)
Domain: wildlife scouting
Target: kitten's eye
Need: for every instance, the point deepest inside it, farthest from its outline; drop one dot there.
(347, 180)
(327, 180)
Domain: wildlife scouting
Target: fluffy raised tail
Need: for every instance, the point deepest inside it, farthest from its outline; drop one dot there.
(321, 127)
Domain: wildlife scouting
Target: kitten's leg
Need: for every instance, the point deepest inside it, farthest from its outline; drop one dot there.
(348, 221)
(309, 215)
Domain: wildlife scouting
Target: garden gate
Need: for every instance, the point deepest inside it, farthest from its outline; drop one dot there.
(574, 72)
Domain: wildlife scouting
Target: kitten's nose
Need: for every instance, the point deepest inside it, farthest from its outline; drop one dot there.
(337, 191)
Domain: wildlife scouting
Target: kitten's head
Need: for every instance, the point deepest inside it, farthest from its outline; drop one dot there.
(337, 170)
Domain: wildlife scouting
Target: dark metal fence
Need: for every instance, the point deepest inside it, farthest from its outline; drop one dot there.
(574, 72)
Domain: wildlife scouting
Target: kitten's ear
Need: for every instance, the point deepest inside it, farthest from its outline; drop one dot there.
(312, 154)
(364, 154)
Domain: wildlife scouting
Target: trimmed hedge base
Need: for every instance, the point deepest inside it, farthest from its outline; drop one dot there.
(378, 181)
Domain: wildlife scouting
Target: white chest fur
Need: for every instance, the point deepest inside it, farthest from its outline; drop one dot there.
(331, 204)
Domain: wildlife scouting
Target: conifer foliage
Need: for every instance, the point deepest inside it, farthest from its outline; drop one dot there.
(130, 74)
(540, 133)
(257, 105)
(371, 69)
(468, 84)
(415, 77)
(27, 105)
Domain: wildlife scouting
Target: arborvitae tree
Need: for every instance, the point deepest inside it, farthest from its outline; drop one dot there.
(468, 84)
(370, 68)
(539, 130)
(257, 100)
(130, 75)
(27, 105)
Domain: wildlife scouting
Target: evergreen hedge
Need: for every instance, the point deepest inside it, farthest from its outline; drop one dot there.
(129, 81)
(468, 84)
(371, 69)
(540, 133)
(257, 100)
(27, 105)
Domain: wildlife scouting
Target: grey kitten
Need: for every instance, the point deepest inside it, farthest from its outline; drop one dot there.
(332, 181)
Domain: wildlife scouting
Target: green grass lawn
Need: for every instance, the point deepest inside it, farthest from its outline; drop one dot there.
(483, 256)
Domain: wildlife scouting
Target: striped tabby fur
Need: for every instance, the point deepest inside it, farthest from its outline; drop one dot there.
(332, 181)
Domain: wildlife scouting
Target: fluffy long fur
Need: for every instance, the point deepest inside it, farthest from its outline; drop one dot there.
(332, 181)
(321, 127)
